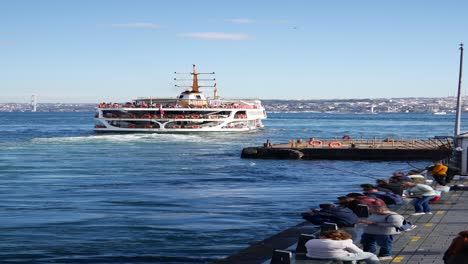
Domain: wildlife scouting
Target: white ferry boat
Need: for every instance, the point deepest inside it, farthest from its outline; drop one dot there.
(190, 112)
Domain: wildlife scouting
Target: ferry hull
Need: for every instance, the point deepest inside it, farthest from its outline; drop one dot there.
(190, 112)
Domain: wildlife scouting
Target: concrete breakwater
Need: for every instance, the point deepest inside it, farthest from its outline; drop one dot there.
(348, 149)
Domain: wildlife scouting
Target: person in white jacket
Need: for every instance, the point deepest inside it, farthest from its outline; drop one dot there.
(338, 245)
(421, 194)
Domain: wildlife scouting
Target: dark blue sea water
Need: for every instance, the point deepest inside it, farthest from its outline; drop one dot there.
(68, 195)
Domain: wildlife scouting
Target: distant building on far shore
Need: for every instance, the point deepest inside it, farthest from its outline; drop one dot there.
(33, 103)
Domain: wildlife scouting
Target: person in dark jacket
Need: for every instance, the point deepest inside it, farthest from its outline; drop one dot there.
(388, 197)
(395, 188)
(399, 177)
(457, 253)
(341, 216)
(379, 188)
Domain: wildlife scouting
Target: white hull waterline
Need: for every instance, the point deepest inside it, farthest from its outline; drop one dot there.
(123, 119)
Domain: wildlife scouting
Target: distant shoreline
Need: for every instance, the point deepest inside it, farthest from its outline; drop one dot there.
(346, 106)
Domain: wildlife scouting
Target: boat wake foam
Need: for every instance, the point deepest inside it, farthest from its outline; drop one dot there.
(128, 138)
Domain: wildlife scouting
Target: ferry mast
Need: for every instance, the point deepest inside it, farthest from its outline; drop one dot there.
(195, 85)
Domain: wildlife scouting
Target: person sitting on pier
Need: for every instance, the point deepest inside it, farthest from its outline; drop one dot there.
(416, 176)
(338, 245)
(343, 217)
(399, 177)
(388, 197)
(422, 194)
(347, 202)
(393, 187)
(377, 187)
(379, 230)
(358, 198)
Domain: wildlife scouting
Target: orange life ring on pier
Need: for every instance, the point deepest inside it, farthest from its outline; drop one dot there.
(335, 144)
(315, 143)
(179, 116)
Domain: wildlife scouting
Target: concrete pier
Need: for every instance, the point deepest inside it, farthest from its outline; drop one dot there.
(428, 242)
(424, 244)
(350, 149)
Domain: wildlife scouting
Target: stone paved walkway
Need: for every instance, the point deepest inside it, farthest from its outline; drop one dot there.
(434, 233)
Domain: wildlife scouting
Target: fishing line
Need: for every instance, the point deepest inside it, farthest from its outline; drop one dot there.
(419, 169)
(347, 171)
(371, 177)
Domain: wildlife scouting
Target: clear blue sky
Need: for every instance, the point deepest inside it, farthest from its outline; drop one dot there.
(103, 50)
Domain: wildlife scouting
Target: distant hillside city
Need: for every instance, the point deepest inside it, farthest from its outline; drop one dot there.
(392, 105)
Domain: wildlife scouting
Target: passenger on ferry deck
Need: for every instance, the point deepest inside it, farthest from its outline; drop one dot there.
(338, 245)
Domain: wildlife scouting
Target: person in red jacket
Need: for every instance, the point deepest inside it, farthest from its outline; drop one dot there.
(352, 200)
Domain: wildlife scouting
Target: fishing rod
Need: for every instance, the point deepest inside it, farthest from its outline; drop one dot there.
(419, 169)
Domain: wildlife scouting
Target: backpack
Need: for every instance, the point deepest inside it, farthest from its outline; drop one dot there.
(407, 225)
(397, 199)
